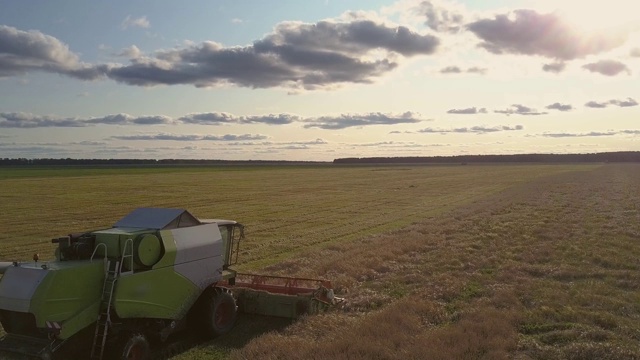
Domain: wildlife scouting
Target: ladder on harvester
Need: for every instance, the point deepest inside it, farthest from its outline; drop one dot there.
(104, 320)
(113, 272)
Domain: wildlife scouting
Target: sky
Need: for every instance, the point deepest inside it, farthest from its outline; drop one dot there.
(317, 80)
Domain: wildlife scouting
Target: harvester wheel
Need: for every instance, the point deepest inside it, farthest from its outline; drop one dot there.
(219, 312)
(135, 346)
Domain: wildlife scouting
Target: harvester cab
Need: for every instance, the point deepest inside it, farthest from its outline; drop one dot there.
(109, 293)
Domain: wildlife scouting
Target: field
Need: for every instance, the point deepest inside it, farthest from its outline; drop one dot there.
(436, 262)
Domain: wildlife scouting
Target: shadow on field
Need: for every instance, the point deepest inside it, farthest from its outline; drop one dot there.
(248, 327)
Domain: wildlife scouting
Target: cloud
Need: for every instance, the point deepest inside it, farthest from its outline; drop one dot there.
(472, 130)
(629, 102)
(317, 141)
(607, 67)
(468, 111)
(395, 144)
(226, 118)
(27, 120)
(126, 119)
(556, 67)
(175, 137)
(596, 105)
(559, 107)
(520, 110)
(477, 70)
(130, 22)
(237, 21)
(458, 70)
(527, 32)
(441, 16)
(451, 70)
(589, 134)
(624, 103)
(131, 52)
(635, 52)
(297, 55)
(24, 51)
(349, 120)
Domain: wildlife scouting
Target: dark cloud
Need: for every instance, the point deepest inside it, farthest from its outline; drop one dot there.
(25, 120)
(209, 118)
(294, 55)
(126, 119)
(468, 111)
(176, 137)
(472, 130)
(528, 32)
(439, 18)
(279, 119)
(556, 67)
(517, 109)
(152, 120)
(345, 121)
(607, 67)
(630, 132)
(23, 51)
(629, 102)
(559, 107)
(226, 118)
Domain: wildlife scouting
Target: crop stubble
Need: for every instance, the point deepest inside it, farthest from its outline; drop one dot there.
(547, 269)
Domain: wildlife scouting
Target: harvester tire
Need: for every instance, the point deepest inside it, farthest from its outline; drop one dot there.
(134, 346)
(219, 312)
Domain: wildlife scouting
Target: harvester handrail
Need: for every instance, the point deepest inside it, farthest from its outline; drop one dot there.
(96, 249)
(125, 255)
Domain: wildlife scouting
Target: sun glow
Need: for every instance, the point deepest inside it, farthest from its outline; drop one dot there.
(594, 15)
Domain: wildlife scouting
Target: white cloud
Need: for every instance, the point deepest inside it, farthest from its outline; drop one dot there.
(130, 22)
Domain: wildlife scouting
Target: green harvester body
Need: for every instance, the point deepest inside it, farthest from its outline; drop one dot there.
(148, 273)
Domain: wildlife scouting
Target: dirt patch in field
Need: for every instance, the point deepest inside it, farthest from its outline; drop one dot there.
(545, 270)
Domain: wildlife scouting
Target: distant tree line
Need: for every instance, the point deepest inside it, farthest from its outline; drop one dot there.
(138, 162)
(622, 156)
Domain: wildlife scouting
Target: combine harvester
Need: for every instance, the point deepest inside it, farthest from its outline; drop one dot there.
(111, 293)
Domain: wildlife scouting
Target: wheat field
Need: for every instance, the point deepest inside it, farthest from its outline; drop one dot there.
(435, 262)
